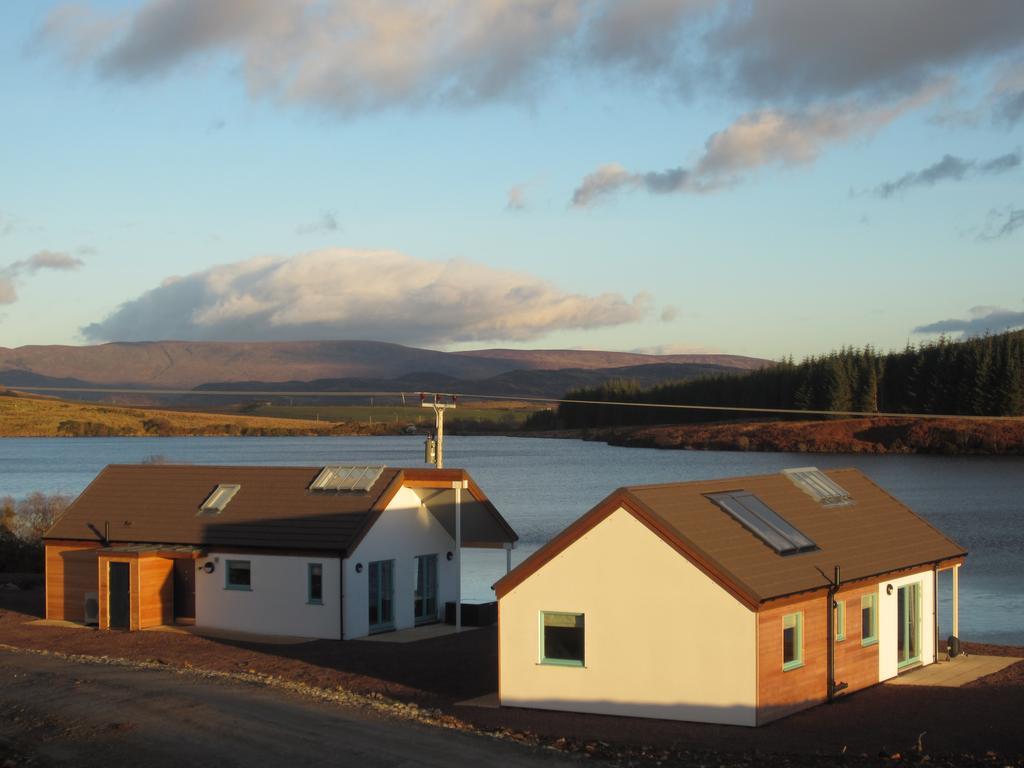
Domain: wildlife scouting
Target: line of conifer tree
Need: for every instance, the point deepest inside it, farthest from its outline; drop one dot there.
(981, 376)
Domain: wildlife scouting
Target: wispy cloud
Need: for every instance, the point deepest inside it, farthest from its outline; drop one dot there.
(515, 198)
(1002, 223)
(981, 320)
(41, 260)
(755, 140)
(949, 168)
(340, 293)
(326, 222)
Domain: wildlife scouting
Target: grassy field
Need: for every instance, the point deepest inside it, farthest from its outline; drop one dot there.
(24, 415)
(486, 416)
(28, 416)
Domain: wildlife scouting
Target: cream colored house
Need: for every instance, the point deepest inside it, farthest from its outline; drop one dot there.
(733, 601)
(335, 552)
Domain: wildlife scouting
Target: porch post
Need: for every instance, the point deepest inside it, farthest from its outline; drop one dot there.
(458, 556)
(956, 600)
(508, 557)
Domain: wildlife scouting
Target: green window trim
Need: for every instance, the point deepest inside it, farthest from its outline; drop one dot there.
(869, 603)
(310, 599)
(561, 620)
(840, 620)
(794, 622)
(231, 565)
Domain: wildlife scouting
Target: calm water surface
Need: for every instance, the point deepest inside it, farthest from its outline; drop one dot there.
(542, 485)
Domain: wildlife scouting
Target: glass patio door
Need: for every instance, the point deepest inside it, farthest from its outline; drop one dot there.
(381, 584)
(425, 595)
(908, 624)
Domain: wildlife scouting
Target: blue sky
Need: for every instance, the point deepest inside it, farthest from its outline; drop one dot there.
(407, 171)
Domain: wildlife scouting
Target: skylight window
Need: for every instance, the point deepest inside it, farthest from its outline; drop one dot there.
(219, 499)
(763, 521)
(346, 477)
(819, 486)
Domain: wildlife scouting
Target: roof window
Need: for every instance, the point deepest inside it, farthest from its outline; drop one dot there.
(347, 477)
(763, 521)
(819, 486)
(219, 499)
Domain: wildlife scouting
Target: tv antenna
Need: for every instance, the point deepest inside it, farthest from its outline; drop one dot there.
(433, 448)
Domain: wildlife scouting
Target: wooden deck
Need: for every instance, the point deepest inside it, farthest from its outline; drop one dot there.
(955, 673)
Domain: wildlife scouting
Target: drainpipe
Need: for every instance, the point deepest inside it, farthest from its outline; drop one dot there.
(833, 686)
(935, 611)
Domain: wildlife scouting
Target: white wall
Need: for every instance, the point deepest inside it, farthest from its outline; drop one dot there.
(277, 604)
(661, 639)
(888, 628)
(403, 531)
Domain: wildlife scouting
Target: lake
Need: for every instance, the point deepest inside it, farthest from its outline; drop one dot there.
(541, 485)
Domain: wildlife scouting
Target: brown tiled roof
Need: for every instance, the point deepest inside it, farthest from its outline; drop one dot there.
(876, 534)
(273, 508)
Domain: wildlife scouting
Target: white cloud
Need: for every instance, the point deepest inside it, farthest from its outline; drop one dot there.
(13, 272)
(356, 294)
(757, 139)
(353, 56)
(983, 319)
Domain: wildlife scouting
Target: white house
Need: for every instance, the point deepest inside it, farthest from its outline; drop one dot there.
(732, 601)
(324, 552)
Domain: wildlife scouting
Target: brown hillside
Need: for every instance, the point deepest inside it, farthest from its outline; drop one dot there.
(881, 435)
(557, 359)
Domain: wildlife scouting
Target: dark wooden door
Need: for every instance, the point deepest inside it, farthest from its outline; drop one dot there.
(119, 595)
(185, 589)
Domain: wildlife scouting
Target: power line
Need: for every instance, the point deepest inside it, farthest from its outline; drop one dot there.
(523, 399)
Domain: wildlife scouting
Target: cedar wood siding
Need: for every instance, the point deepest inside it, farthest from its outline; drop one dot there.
(782, 693)
(71, 571)
(156, 591)
(856, 664)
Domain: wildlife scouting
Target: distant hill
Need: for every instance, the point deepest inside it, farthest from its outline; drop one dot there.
(187, 364)
(520, 383)
(556, 359)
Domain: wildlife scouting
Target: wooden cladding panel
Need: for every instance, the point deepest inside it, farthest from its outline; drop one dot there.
(780, 693)
(856, 665)
(71, 571)
(156, 592)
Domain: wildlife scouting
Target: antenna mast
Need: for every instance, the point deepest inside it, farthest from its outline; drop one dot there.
(433, 452)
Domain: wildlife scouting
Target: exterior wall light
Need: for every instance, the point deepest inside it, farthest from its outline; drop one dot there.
(359, 567)
(888, 589)
(209, 567)
(449, 556)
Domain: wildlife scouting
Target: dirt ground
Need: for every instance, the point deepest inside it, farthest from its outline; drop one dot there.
(982, 723)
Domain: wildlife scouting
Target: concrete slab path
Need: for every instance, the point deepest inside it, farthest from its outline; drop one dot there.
(956, 672)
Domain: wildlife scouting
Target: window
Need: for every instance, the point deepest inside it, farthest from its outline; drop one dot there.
(869, 619)
(219, 499)
(819, 486)
(561, 639)
(238, 575)
(763, 521)
(316, 583)
(840, 627)
(792, 641)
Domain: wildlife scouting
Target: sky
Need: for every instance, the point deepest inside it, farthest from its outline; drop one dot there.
(766, 179)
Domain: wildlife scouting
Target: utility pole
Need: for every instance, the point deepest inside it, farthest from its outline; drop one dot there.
(434, 446)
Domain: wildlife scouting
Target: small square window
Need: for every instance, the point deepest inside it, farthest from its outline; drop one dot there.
(840, 627)
(562, 639)
(316, 584)
(792, 641)
(238, 575)
(869, 619)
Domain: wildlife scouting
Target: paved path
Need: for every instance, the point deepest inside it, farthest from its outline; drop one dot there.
(64, 713)
(955, 673)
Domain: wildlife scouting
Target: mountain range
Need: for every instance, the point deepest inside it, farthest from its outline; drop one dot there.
(344, 366)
